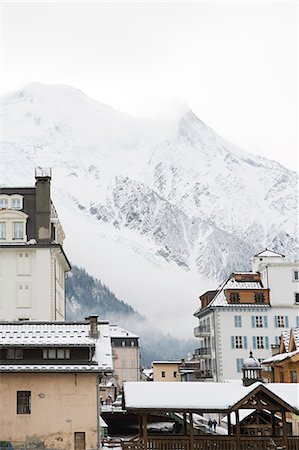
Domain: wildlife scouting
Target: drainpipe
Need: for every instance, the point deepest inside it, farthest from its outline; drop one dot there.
(99, 445)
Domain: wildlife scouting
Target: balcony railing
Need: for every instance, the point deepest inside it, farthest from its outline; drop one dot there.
(202, 330)
(203, 351)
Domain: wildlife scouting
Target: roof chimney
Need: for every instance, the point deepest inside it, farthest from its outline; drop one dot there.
(93, 321)
(43, 204)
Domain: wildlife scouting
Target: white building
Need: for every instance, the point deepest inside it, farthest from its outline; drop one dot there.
(32, 261)
(247, 312)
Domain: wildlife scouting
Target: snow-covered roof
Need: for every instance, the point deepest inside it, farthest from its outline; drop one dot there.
(204, 396)
(118, 332)
(269, 253)
(49, 368)
(280, 357)
(286, 336)
(167, 362)
(58, 334)
(232, 283)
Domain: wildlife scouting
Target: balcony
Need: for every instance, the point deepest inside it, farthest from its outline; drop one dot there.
(202, 331)
(203, 352)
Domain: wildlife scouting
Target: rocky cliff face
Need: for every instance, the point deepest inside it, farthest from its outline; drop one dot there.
(175, 194)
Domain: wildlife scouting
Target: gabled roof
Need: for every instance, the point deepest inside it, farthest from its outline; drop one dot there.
(290, 337)
(204, 396)
(280, 357)
(269, 253)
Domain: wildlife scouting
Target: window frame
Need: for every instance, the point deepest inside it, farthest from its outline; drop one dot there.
(3, 227)
(295, 277)
(23, 402)
(54, 351)
(16, 230)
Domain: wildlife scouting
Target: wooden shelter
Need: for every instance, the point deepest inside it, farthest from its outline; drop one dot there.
(190, 399)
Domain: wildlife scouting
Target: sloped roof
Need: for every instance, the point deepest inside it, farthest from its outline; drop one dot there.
(118, 332)
(57, 334)
(269, 253)
(280, 357)
(286, 336)
(199, 396)
(231, 283)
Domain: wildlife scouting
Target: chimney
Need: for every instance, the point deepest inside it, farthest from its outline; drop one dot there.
(43, 204)
(93, 322)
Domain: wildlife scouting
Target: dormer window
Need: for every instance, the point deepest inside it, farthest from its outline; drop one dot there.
(16, 202)
(2, 230)
(4, 202)
(18, 230)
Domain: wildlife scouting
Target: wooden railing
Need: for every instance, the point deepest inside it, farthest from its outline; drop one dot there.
(212, 443)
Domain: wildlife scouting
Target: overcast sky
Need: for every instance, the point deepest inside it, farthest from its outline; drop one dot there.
(233, 63)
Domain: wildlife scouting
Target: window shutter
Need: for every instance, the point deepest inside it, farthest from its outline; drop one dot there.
(233, 341)
(297, 321)
(236, 321)
(266, 342)
(276, 321)
(265, 321)
(253, 321)
(254, 342)
(245, 342)
(286, 319)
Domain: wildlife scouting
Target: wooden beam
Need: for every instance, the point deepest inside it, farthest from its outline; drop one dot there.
(238, 431)
(144, 430)
(191, 431)
(229, 425)
(285, 429)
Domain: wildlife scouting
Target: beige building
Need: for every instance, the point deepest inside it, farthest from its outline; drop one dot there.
(49, 378)
(166, 370)
(33, 264)
(126, 355)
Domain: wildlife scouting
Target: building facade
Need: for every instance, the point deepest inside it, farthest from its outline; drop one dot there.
(248, 311)
(33, 264)
(166, 370)
(126, 355)
(49, 379)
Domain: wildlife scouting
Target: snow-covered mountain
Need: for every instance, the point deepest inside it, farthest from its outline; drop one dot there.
(155, 209)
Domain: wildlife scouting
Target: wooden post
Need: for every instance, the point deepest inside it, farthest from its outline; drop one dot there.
(273, 423)
(191, 431)
(185, 424)
(285, 429)
(229, 425)
(238, 431)
(144, 428)
(140, 426)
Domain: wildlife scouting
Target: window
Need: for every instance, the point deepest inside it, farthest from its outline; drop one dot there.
(163, 374)
(238, 321)
(14, 353)
(234, 297)
(260, 342)
(3, 202)
(174, 374)
(293, 376)
(281, 377)
(16, 203)
(295, 275)
(123, 343)
(56, 353)
(2, 230)
(277, 340)
(132, 344)
(259, 297)
(23, 402)
(239, 341)
(297, 298)
(239, 363)
(297, 321)
(281, 321)
(259, 321)
(18, 230)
